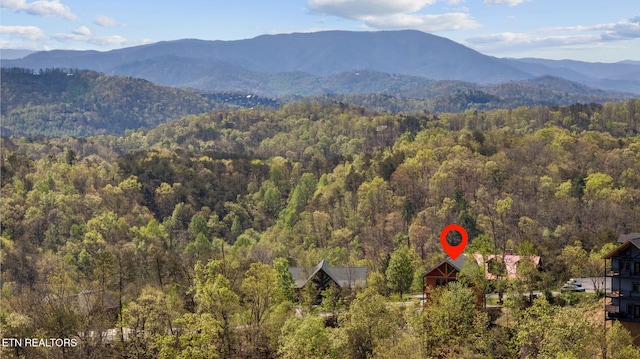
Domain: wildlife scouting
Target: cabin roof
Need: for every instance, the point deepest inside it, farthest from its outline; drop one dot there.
(633, 242)
(344, 277)
(458, 263)
(624, 238)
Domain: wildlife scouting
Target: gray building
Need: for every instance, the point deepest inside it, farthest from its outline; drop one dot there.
(324, 275)
(622, 267)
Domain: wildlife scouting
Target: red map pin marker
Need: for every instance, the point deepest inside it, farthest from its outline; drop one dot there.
(454, 251)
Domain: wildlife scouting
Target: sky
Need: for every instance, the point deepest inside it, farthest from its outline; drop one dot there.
(586, 30)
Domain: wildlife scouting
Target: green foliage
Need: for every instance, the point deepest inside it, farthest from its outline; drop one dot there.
(285, 281)
(368, 322)
(584, 264)
(298, 199)
(261, 292)
(376, 281)
(80, 103)
(150, 314)
(184, 220)
(400, 270)
(198, 225)
(545, 331)
(214, 297)
(620, 344)
(305, 338)
(197, 338)
(272, 201)
(449, 318)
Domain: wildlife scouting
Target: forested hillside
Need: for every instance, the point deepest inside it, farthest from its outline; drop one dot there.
(186, 230)
(456, 96)
(63, 102)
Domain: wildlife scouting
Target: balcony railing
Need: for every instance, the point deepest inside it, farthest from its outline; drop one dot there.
(612, 272)
(621, 316)
(622, 294)
(614, 294)
(615, 272)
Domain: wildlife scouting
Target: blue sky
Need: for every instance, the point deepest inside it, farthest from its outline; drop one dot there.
(588, 30)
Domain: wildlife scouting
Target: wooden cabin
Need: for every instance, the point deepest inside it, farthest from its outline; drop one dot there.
(445, 272)
(324, 275)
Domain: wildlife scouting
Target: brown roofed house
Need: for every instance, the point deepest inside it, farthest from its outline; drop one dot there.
(443, 273)
(507, 261)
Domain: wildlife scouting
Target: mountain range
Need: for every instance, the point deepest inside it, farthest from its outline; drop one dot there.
(308, 63)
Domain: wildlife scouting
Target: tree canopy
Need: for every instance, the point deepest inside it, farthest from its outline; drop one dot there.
(184, 232)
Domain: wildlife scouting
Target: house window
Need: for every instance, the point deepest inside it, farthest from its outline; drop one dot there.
(449, 270)
(635, 287)
(443, 281)
(625, 265)
(636, 311)
(636, 267)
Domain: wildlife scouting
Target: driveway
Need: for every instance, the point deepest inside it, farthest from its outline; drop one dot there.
(587, 283)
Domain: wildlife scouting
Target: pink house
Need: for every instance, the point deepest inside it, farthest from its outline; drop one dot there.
(507, 262)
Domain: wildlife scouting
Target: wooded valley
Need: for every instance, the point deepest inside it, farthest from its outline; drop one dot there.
(183, 233)
(58, 102)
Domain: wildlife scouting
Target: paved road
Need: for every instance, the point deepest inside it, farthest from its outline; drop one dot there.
(587, 283)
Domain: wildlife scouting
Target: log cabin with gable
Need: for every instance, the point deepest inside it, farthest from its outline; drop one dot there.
(443, 273)
(323, 275)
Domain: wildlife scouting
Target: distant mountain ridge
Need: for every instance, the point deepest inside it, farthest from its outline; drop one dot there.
(620, 76)
(286, 59)
(406, 52)
(12, 54)
(78, 103)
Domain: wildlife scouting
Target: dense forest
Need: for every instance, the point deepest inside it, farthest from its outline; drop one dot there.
(71, 102)
(181, 235)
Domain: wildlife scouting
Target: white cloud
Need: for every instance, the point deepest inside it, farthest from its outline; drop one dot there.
(504, 2)
(110, 40)
(562, 37)
(69, 37)
(308, 30)
(21, 45)
(80, 34)
(82, 31)
(106, 21)
(45, 8)
(428, 23)
(394, 14)
(83, 34)
(356, 9)
(627, 28)
(117, 40)
(621, 30)
(31, 33)
(520, 40)
(504, 37)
